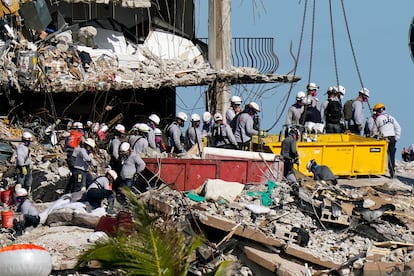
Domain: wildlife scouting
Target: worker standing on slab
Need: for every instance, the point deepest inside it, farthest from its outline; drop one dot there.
(174, 134)
(81, 174)
(222, 136)
(290, 154)
(356, 119)
(153, 122)
(295, 110)
(193, 134)
(132, 166)
(24, 162)
(242, 126)
(234, 109)
(387, 127)
(321, 172)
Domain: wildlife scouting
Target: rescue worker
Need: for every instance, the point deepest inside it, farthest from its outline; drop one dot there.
(29, 215)
(24, 162)
(290, 154)
(141, 143)
(234, 109)
(311, 93)
(193, 133)
(159, 141)
(76, 135)
(355, 124)
(207, 128)
(243, 126)
(295, 110)
(81, 169)
(100, 189)
(321, 172)
(331, 111)
(369, 124)
(132, 165)
(174, 134)
(387, 127)
(311, 117)
(222, 135)
(153, 122)
(114, 143)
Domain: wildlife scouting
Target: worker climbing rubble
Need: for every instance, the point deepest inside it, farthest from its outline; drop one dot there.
(290, 154)
(321, 172)
(84, 163)
(24, 162)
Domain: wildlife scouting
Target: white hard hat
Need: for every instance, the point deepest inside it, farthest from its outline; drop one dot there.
(332, 89)
(27, 136)
(154, 118)
(300, 95)
(206, 116)
(90, 142)
(312, 86)
(120, 128)
(236, 100)
(254, 106)
(218, 117)
(182, 116)
(307, 101)
(77, 125)
(124, 147)
(112, 173)
(135, 127)
(341, 89)
(21, 192)
(157, 131)
(143, 128)
(104, 128)
(195, 117)
(364, 91)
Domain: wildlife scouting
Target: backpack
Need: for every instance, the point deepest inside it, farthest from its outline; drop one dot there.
(74, 139)
(234, 122)
(333, 112)
(348, 112)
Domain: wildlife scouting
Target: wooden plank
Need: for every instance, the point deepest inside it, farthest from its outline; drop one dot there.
(245, 231)
(382, 268)
(302, 253)
(274, 263)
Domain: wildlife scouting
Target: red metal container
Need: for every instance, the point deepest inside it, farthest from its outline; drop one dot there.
(188, 174)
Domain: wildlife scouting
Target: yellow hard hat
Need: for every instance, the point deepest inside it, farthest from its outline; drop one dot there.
(379, 106)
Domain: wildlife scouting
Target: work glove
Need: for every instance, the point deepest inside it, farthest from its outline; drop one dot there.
(24, 170)
(296, 161)
(262, 133)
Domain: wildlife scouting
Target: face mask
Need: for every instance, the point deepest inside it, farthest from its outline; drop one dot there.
(157, 139)
(26, 143)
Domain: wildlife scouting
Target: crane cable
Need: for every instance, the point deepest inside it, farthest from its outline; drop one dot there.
(333, 44)
(294, 68)
(311, 42)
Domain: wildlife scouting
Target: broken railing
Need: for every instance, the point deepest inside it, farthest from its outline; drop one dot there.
(255, 52)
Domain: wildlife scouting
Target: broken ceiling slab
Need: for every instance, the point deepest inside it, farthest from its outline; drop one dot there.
(274, 262)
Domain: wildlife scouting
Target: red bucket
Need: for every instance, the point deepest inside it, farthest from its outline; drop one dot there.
(6, 196)
(7, 219)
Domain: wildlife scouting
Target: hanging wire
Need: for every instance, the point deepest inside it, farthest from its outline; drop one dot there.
(294, 68)
(333, 44)
(312, 40)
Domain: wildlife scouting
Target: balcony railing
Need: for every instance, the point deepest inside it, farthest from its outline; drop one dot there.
(255, 52)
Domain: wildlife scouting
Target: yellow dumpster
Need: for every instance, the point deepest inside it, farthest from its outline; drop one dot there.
(346, 154)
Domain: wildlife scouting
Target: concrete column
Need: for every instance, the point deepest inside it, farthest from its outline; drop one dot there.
(219, 48)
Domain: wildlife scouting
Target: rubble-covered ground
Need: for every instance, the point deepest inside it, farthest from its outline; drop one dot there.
(360, 226)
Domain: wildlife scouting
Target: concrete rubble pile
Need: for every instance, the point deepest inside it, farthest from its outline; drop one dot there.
(78, 59)
(358, 226)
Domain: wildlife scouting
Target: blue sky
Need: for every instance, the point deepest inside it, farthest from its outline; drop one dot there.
(379, 33)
